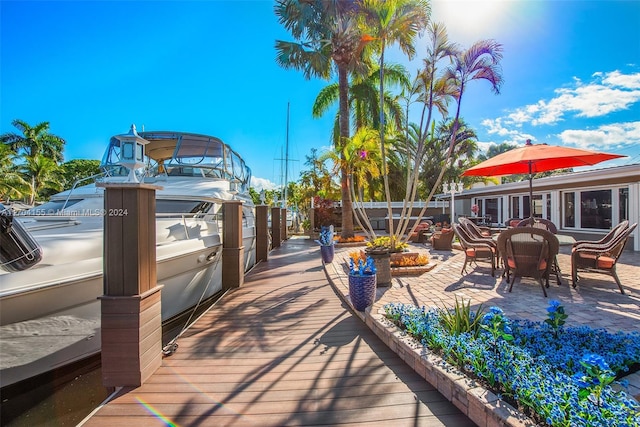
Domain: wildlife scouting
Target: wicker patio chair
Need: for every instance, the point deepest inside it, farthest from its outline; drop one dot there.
(441, 240)
(512, 222)
(421, 232)
(475, 249)
(528, 252)
(477, 231)
(600, 258)
(614, 232)
(542, 223)
(481, 233)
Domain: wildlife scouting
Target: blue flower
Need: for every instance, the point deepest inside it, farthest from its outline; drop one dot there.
(362, 268)
(596, 360)
(496, 310)
(564, 381)
(326, 236)
(553, 306)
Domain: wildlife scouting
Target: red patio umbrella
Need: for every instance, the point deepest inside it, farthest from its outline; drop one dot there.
(532, 159)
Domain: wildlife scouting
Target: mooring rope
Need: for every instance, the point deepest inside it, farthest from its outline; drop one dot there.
(172, 346)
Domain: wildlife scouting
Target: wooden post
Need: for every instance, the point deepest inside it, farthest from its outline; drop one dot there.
(276, 228)
(131, 305)
(283, 226)
(232, 248)
(262, 232)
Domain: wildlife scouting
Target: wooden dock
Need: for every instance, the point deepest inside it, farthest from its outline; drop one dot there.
(281, 350)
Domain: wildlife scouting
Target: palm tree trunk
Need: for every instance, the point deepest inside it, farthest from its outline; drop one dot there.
(383, 152)
(347, 205)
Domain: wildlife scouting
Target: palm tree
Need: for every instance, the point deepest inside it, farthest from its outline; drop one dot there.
(327, 34)
(363, 99)
(436, 159)
(360, 158)
(433, 92)
(43, 175)
(480, 62)
(390, 22)
(12, 185)
(34, 140)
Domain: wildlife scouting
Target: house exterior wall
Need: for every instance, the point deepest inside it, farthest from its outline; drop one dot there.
(549, 194)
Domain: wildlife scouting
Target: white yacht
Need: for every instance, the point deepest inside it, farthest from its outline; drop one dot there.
(51, 256)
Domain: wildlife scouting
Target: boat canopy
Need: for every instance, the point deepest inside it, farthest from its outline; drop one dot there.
(182, 154)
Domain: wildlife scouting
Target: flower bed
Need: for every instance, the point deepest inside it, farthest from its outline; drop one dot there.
(410, 263)
(409, 259)
(558, 376)
(412, 270)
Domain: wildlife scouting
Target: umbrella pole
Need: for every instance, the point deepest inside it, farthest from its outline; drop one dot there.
(531, 220)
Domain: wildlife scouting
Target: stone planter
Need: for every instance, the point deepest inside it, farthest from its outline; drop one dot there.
(362, 290)
(382, 261)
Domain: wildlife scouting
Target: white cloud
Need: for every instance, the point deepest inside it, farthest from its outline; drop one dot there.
(262, 184)
(609, 92)
(511, 136)
(616, 78)
(605, 137)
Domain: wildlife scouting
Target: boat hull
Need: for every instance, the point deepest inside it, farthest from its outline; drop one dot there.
(50, 308)
(67, 333)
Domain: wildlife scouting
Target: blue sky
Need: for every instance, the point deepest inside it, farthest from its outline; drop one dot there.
(91, 68)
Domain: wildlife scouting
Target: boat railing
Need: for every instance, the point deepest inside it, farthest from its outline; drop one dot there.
(102, 174)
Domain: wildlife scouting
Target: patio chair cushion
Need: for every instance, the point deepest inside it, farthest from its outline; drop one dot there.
(605, 262)
(542, 265)
(474, 252)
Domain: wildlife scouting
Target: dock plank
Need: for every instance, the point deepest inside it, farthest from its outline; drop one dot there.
(282, 350)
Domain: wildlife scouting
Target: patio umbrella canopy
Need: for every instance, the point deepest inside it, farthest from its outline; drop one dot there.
(533, 159)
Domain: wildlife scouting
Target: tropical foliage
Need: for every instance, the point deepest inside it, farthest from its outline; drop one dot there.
(35, 154)
(326, 35)
(30, 164)
(350, 39)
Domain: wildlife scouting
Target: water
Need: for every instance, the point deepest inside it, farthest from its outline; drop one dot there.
(66, 396)
(61, 398)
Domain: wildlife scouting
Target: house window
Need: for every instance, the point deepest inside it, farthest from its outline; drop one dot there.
(595, 209)
(521, 208)
(515, 207)
(491, 210)
(538, 205)
(623, 204)
(569, 205)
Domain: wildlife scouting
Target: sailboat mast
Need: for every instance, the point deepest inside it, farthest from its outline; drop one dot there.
(286, 160)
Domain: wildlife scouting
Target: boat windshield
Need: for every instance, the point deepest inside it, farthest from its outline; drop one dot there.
(182, 154)
(164, 206)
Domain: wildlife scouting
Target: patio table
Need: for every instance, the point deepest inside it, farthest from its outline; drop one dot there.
(563, 240)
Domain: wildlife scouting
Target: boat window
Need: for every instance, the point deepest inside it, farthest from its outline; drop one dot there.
(238, 169)
(228, 163)
(247, 178)
(182, 206)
